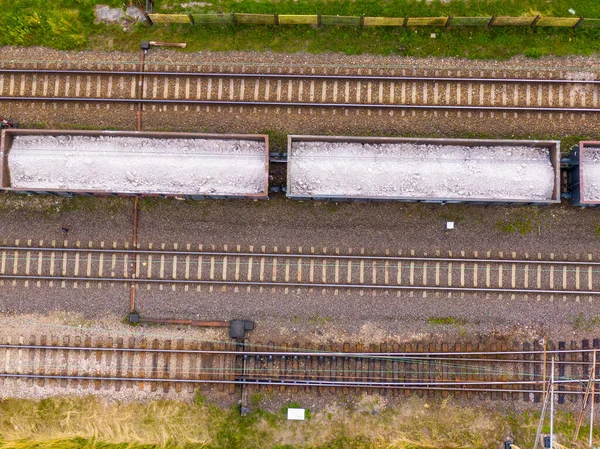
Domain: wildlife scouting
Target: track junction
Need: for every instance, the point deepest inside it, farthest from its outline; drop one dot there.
(520, 371)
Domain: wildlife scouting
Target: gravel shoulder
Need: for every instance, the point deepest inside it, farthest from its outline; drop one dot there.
(316, 316)
(222, 61)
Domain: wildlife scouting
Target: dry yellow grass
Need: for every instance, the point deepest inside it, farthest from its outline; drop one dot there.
(92, 423)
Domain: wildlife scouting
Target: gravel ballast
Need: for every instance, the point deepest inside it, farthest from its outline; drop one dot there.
(407, 170)
(191, 166)
(591, 173)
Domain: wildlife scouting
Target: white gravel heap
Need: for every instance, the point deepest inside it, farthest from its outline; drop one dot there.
(591, 173)
(191, 166)
(408, 170)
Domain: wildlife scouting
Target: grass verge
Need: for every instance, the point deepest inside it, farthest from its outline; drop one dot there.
(93, 423)
(69, 24)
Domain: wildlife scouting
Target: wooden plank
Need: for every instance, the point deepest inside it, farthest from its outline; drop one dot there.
(513, 21)
(383, 21)
(288, 19)
(395, 368)
(408, 369)
(590, 23)
(214, 19)
(470, 21)
(169, 18)
(444, 370)
(557, 21)
(427, 21)
(256, 19)
(340, 21)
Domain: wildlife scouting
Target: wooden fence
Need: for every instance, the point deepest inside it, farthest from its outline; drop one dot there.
(362, 21)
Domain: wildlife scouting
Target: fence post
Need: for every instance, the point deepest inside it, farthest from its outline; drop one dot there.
(319, 21)
(233, 19)
(578, 22)
(491, 22)
(361, 23)
(148, 19)
(276, 16)
(192, 21)
(447, 24)
(537, 18)
(405, 23)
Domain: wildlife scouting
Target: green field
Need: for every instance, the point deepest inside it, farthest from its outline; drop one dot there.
(69, 24)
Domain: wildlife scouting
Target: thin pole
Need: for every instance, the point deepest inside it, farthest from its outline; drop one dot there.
(544, 366)
(592, 405)
(541, 423)
(584, 405)
(552, 403)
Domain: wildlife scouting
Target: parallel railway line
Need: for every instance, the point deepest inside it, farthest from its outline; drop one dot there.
(300, 90)
(336, 271)
(520, 371)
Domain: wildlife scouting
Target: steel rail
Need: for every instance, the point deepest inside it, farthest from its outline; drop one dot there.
(299, 76)
(464, 386)
(297, 255)
(299, 284)
(385, 355)
(303, 104)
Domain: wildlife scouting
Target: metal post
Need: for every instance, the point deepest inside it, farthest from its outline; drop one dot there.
(593, 377)
(586, 398)
(544, 366)
(552, 403)
(541, 422)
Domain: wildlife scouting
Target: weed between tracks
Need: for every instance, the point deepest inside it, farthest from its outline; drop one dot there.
(92, 423)
(522, 221)
(583, 322)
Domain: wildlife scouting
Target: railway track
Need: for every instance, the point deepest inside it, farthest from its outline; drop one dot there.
(518, 371)
(333, 270)
(293, 90)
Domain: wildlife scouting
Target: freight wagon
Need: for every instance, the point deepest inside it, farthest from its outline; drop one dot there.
(584, 174)
(424, 170)
(123, 163)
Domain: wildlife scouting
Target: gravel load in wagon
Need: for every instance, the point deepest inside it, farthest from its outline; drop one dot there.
(138, 165)
(590, 162)
(420, 171)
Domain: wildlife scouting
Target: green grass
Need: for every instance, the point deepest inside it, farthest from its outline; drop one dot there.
(522, 221)
(446, 321)
(597, 231)
(62, 24)
(522, 226)
(69, 24)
